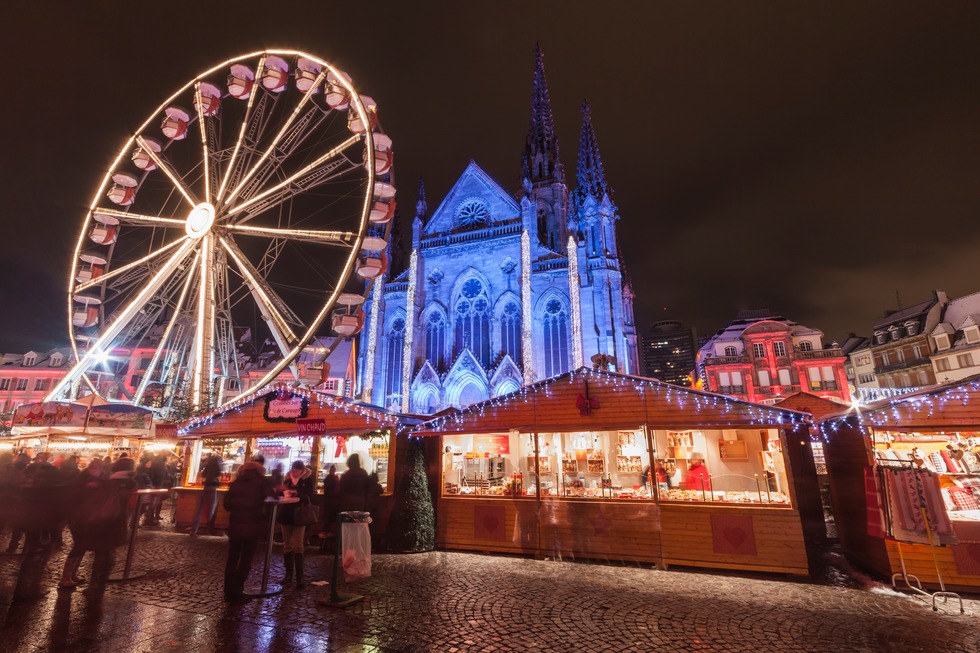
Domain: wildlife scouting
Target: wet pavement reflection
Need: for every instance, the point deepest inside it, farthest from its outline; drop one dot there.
(458, 602)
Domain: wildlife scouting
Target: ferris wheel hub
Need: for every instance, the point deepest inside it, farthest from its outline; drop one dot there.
(200, 220)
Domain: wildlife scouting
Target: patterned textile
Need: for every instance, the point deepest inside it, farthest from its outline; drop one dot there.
(951, 465)
(963, 499)
(937, 462)
(971, 484)
(913, 496)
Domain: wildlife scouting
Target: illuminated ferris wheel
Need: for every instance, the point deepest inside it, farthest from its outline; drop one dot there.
(246, 201)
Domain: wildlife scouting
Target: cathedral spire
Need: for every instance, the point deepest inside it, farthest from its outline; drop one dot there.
(420, 206)
(590, 175)
(540, 161)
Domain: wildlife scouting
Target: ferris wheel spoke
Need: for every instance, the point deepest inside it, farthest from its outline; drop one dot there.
(205, 152)
(167, 170)
(98, 281)
(341, 238)
(305, 178)
(178, 307)
(279, 314)
(278, 137)
(122, 320)
(139, 219)
(241, 134)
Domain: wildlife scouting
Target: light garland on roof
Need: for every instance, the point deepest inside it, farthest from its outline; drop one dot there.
(683, 398)
(337, 404)
(903, 407)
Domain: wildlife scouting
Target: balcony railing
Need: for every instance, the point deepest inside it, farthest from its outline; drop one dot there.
(818, 353)
(731, 389)
(726, 360)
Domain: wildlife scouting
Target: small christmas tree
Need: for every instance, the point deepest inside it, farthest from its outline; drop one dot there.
(413, 520)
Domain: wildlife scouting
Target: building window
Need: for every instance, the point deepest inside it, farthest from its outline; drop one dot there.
(785, 377)
(472, 212)
(473, 321)
(510, 331)
(731, 351)
(759, 349)
(965, 360)
(900, 355)
(912, 328)
(942, 341)
(21, 384)
(779, 348)
(232, 384)
(923, 378)
(916, 351)
(57, 360)
(4, 384)
(29, 360)
(435, 341)
(881, 338)
(42, 385)
(866, 378)
(806, 345)
(942, 364)
(884, 358)
(972, 335)
(764, 380)
(393, 359)
(555, 338)
(814, 375)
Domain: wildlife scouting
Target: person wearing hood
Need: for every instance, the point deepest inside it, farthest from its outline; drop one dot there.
(297, 483)
(245, 503)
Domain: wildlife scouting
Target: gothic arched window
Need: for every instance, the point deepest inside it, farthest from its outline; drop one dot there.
(393, 358)
(435, 341)
(510, 331)
(473, 321)
(555, 338)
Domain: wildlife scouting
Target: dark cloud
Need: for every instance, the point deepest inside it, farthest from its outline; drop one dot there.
(812, 158)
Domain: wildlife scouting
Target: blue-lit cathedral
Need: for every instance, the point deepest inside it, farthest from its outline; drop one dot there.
(501, 290)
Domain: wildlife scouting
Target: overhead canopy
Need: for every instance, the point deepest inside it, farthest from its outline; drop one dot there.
(585, 399)
(97, 418)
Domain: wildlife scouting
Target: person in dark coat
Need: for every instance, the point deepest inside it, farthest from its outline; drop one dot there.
(98, 520)
(245, 503)
(297, 483)
(354, 485)
(10, 489)
(161, 481)
(209, 494)
(330, 503)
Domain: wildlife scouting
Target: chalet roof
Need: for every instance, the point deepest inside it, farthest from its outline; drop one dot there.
(949, 405)
(620, 401)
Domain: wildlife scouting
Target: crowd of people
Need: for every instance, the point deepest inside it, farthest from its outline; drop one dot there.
(42, 496)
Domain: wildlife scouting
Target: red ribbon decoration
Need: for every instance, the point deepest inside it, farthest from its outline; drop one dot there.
(585, 403)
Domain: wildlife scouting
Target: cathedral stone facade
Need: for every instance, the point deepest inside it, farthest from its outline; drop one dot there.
(502, 289)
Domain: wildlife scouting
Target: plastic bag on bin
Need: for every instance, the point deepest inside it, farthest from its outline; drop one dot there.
(356, 542)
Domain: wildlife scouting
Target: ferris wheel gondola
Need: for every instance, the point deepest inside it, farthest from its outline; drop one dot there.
(250, 210)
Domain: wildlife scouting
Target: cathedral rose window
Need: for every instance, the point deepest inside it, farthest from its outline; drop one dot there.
(472, 212)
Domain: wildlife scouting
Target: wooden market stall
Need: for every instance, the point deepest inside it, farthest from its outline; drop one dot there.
(593, 464)
(285, 424)
(892, 459)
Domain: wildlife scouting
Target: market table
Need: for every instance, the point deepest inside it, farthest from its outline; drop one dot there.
(128, 573)
(267, 588)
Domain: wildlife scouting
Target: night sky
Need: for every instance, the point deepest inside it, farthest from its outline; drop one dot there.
(818, 159)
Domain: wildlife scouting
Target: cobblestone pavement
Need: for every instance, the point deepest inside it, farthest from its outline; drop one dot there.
(451, 602)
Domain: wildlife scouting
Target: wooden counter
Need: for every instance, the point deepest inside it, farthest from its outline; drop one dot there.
(715, 536)
(187, 502)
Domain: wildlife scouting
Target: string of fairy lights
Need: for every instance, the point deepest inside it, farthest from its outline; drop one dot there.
(337, 404)
(573, 293)
(682, 398)
(908, 409)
